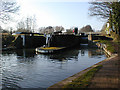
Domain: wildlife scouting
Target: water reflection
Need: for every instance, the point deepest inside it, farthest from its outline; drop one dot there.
(21, 53)
(25, 69)
(94, 53)
(25, 53)
(64, 55)
(82, 53)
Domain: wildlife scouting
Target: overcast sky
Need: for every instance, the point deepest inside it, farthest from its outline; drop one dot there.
(64, 13)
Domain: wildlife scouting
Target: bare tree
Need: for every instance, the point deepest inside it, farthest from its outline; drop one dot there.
(109, 11)
(21, 26)
(33, 23)
(27, 25)
(59, 28)
(100, 9)
(6, 9)
(24, 25)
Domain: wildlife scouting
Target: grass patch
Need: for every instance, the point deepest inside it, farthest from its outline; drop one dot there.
(51, 48)
(110, 47)
(116, 37)
(102, 41)
(38, 35)
(84, 80)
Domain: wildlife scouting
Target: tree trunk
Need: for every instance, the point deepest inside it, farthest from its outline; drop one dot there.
(118, 29)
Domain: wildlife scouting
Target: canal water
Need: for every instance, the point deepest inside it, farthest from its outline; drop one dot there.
(24, 68)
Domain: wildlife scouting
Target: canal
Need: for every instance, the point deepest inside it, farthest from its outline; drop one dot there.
(24, 68)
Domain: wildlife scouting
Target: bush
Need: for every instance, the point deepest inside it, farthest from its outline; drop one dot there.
(110, 46)
(116, 37)
(7, 40)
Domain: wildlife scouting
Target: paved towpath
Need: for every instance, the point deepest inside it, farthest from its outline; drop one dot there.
(108, 76)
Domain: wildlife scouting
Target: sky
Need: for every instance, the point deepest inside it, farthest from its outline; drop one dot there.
(66, 13)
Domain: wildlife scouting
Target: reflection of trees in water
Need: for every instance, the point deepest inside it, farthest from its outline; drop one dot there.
(65, 55)
(97, 52)
(72, 54)
(82, 53)
(21, 53)
(91, 51)
(8, 52)
(25, 53)
(61, 58)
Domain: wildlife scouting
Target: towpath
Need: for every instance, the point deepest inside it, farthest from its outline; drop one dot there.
(109, 75)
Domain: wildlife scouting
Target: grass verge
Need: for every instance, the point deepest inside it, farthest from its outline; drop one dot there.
(110, 47)
(84, 80)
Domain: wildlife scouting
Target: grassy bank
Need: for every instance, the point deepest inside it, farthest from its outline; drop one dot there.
(110, 45)
(84, 80)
